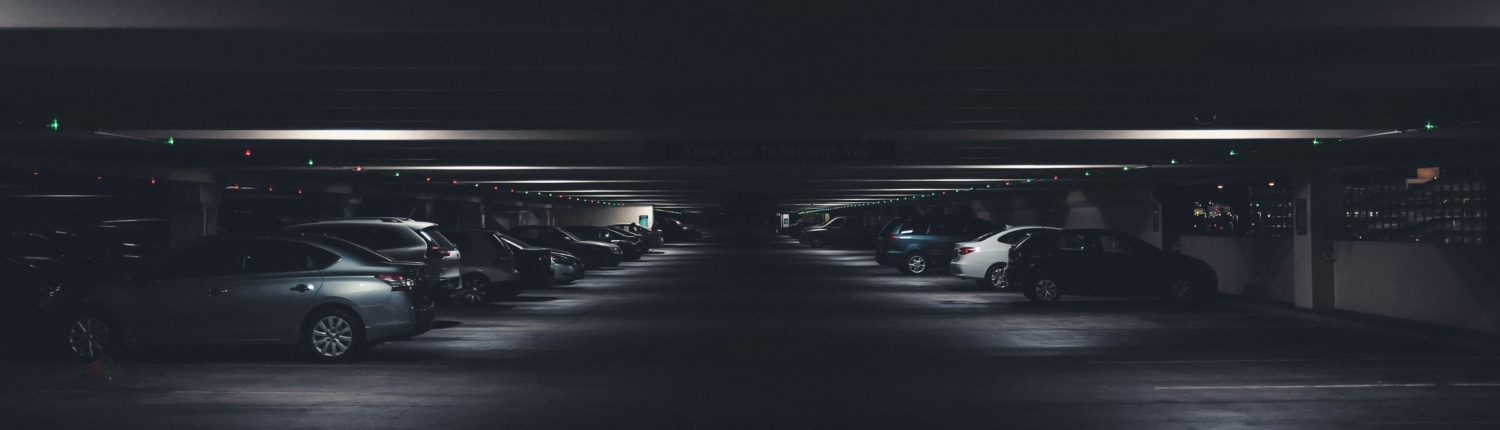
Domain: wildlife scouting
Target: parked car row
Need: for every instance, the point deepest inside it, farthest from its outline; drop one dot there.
(333, 288)
(1043, 263)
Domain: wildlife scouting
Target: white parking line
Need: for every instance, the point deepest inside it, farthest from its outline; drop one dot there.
(1299, 360)
(1327, 386)
(318, 393)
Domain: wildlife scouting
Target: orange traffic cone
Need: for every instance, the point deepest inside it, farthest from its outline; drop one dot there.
(99, 369)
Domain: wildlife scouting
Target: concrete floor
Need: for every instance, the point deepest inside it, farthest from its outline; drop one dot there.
(763, 333)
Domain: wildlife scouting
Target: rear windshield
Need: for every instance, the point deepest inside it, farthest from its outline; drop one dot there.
(376, 237)
(353, 250)
(434, 237)
(512, 242)
(1015, 236)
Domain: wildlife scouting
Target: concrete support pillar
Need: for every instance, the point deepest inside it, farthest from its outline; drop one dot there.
(350, 205)
(1318, 219)
(473, 215)
(194, 212)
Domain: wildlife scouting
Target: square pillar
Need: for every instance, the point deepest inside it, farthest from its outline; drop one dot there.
(1318, 219)
(194, 212)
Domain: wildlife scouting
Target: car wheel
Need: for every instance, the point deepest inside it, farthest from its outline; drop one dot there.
(815, 241)
(1183, 290)
(333, 335)
(915, 264)
(89, 336)
(472, 290)
(994, 278)
(1044, 290)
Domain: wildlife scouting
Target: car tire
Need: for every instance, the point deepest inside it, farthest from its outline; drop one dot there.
(473, 289)
(333, 335)
(815, 241)
(1184, 289)
(1045, 290)
(994, 278)
(915, 263)
(89, 335)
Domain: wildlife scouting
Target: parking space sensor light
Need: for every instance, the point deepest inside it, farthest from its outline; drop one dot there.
(1317, 142)
(1429, 125)
(171, 141)
(247, 152)
(309, 162)
(1233, 153)
(53, 125)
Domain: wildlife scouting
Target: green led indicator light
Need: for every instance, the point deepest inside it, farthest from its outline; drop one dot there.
(1233, 153)
(1125, 168)
(1086, 173)
(53, 124)
(1429, 125)
(1174, 161)
(1028, 181)
(171, 141)
(398, 174)
(1317, 142)
(309, 162)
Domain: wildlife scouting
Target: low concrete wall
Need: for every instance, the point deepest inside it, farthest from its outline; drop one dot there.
(601, 215)
(1440, 284)
(1251, 267)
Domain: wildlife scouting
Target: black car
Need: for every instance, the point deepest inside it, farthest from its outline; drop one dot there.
(673, 230)
(1097, 262)
(631, 244)
(491, 271)
(26, 295)
(841, 231)
(594, 254)
(916, 245)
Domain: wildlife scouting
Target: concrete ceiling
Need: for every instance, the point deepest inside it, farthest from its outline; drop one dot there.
(707, 106)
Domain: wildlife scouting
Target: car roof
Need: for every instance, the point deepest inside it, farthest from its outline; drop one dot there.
(416, 225)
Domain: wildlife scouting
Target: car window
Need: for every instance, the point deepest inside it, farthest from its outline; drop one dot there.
(219, 258)
(836, 223)
(511, 242)
(891, 227)
(434, 237)
(279, 256)
(1068, 242)
(1015, 236)
(563, 235)
(1121, 244)
(913, 226)
(369, 236)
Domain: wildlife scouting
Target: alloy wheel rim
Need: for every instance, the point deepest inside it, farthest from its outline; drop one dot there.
(917, 264)
(472, 291)
(997, 279)
(1046, 289)
(87, 337)
(332, 336)
(1182, 289)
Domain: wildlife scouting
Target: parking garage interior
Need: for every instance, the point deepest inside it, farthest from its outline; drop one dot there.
(1332, 163)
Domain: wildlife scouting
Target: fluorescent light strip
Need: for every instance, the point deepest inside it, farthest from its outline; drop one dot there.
(740, 135)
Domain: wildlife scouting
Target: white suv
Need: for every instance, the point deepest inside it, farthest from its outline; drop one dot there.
(984, 259)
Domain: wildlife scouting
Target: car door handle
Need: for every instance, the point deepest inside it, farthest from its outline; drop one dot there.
(217, 291)
(301, 288)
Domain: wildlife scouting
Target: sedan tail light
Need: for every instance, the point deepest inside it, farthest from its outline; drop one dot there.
(397, 282)
(968, 250)
(891, 237)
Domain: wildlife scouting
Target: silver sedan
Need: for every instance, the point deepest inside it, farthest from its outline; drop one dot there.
(332, 298)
